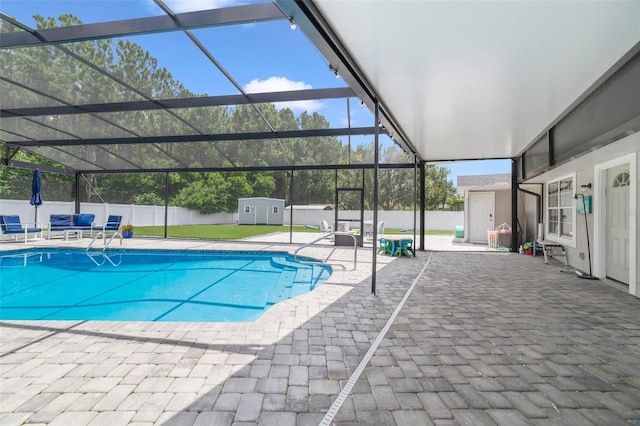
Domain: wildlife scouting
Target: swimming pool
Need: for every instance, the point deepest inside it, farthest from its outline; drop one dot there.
(149, 285)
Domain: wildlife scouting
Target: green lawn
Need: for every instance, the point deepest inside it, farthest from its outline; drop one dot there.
(235, 232)
(217, 232)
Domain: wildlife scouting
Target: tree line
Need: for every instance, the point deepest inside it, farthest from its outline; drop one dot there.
(53, 71)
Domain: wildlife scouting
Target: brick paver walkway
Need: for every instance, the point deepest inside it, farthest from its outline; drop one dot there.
(485, 338)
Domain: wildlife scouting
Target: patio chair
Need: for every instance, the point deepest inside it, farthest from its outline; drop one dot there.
(549, 248)
(381, 227)
(404, 248)
(11, 225)
(111, 225)
(367, 227)
(324, 227)
(385, 246)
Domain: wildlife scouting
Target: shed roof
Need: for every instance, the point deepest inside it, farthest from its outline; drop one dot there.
(493, 181)
(280, 200)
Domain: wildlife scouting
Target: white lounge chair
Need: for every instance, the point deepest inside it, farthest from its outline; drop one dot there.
(324, 227)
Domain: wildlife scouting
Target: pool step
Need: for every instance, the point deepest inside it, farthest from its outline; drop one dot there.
(299, 289)
(295, 279)
(281, 291)
(304, 275)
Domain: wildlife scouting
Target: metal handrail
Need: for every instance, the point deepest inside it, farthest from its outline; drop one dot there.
(103, 252)
(107, 241)
(331, 234)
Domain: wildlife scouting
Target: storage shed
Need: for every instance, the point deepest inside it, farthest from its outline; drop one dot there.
(487, 205)
(260, 211)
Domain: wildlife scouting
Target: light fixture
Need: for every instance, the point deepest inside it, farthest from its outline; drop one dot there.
(334, 70)
(292, 24)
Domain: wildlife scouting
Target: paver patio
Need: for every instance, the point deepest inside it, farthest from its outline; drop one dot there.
(484, 338)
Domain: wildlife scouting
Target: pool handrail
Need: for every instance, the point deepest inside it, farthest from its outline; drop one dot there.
(107, 241)
(331, 234)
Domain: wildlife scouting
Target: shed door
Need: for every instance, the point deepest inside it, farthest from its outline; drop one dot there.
(262, 214)
(481, 214)
(617, 219)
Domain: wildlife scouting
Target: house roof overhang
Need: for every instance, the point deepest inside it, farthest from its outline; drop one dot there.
(452, 80)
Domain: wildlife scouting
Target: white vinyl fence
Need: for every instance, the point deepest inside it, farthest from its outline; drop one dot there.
(133, 214)
(154, 215)
(434, 220)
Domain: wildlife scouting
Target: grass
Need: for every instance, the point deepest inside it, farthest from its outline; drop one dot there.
(217, 232)
(236, 232)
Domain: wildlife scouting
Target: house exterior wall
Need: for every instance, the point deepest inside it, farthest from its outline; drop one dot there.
(590, 169)
(579, 255)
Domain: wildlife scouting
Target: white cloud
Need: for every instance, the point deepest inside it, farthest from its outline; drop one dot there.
(180, 6)
(282, 84)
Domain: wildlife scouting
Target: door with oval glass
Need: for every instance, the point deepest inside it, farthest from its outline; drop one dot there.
(617, 223)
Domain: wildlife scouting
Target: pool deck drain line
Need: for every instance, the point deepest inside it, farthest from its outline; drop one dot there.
(333, 410)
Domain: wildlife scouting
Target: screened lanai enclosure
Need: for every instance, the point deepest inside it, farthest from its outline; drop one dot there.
(154, 117)
(350, 104)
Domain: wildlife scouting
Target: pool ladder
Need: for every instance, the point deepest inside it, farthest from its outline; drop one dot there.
(103, 252)
(331, 234)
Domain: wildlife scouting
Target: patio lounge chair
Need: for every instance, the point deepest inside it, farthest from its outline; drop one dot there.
(111, 225)
(368, 228)
(11, 225)
(324, 227)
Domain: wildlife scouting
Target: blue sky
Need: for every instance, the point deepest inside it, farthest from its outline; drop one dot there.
(279, 59)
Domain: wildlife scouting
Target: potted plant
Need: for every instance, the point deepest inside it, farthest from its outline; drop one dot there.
(127, 230)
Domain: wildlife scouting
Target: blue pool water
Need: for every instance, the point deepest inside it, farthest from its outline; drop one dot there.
(135, 285)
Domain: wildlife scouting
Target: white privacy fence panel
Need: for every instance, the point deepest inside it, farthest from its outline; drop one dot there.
(154, 215)
(436, 220)
(134, 214)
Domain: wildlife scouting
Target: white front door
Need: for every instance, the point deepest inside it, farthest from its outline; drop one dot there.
(481, 215)
(617, 223)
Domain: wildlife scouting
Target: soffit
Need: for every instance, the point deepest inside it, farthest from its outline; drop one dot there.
(477, 80)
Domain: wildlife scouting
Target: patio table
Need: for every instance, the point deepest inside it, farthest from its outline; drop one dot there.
(397, 243)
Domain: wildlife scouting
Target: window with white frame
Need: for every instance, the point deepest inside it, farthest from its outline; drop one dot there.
(561, 211)
(276, 209)
(247, 209)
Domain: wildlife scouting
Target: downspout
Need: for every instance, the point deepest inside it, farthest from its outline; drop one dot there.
(538, 202)
(539, 209)
(514, 205)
